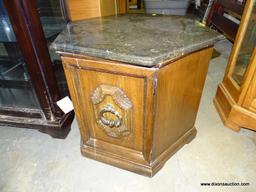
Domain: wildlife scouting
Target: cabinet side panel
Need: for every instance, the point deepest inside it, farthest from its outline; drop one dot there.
(72, 81)
(179, 90)
(107, 7)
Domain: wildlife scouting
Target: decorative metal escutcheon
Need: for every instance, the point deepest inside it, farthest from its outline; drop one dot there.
(107, 122)
(113, 117)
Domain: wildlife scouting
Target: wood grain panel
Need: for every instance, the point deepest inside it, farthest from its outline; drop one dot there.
(122, 6)
(108, 7)
(133, 87)
(177, 103)
(82, 9)
(88, 75)
(248, 94)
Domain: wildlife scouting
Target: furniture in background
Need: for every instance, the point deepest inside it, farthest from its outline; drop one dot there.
(235, 99)
(199, 10)
(83, 9)
(167, 7)
(225, 15)
(135, 7)
(135, 98)
(139, 4)
(32, 79)
(135, 4)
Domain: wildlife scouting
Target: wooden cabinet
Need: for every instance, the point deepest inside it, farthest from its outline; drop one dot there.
(225, 15)
(31, 79)
(136, 117)
(83, 9)
(236, 95)
(136, 96)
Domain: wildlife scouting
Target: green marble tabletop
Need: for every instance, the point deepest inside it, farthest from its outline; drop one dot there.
(144, 40)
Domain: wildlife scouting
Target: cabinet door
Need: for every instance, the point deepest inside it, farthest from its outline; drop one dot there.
(250, 94)
(245, 52)
(241, 54)
(53, 22)
(16, 89)
(111, 106)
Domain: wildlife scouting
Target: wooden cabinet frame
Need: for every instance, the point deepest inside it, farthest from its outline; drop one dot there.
(236, 103)
(32, 43)
(163, 109)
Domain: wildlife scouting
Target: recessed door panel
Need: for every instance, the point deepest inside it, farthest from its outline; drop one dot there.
(114, 107)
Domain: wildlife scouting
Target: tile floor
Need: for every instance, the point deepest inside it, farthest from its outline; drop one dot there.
(34, 162)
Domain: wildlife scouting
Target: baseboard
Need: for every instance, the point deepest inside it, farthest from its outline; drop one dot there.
(224, 105)
(56, 129)
(146, 168)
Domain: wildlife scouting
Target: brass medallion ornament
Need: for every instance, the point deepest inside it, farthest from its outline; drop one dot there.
(119, 125)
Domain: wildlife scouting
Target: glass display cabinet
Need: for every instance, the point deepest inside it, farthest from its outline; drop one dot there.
(236, 96)
(31, 75)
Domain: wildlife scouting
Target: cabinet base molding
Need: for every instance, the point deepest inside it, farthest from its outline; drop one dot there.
(133, 160)
(233, 115)
(35, 120)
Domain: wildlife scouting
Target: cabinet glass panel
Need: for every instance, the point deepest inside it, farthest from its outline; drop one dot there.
(53, 22)
(16, 89)
(246, 49)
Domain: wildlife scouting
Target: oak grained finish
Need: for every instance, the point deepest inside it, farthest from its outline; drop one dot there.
(84, 9)
(136, 117)
(235, 99)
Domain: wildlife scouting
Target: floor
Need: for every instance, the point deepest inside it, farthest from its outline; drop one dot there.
(32, 161)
